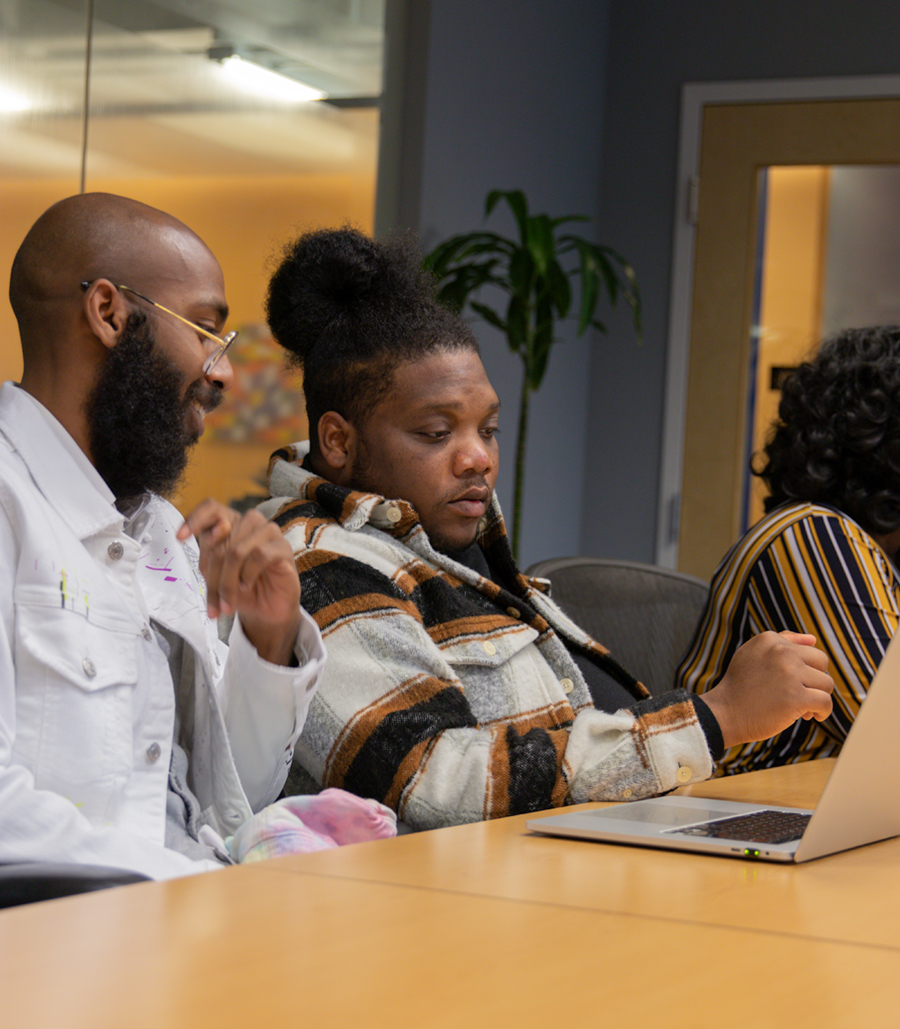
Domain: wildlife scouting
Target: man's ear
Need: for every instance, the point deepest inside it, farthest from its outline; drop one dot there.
(337, 439)
(106, 311)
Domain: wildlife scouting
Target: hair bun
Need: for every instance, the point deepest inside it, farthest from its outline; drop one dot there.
(325, 276)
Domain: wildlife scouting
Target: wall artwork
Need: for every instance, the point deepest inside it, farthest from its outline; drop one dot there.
(265, 404)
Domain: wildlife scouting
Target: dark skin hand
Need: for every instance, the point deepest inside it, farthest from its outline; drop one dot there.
(249, 571)
(772, 680)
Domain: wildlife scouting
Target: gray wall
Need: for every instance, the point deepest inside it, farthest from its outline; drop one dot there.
(577, 102)
(506, 94)
(654, 47)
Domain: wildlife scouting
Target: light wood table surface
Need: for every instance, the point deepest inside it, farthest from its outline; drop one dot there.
(478, 925)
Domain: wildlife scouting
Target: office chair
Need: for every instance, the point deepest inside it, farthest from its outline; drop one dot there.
(28, 882)
(645, 615)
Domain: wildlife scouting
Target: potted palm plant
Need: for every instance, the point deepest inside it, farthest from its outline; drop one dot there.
(536, 272)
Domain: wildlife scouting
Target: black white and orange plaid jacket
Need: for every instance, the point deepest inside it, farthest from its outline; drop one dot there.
(445, 695)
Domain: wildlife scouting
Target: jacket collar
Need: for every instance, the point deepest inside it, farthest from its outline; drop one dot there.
(59, 468)
(353, 510)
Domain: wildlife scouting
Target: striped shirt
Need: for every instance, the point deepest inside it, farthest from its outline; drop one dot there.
(447, 695)
(807, 568)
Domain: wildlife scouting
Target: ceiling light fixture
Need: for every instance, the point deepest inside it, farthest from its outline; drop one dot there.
(266, 82)
(12, 101)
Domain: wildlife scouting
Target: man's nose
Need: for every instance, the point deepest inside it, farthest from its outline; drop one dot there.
(222, 373)
(474, 455)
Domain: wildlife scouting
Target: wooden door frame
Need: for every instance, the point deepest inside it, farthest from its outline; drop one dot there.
(694, 97)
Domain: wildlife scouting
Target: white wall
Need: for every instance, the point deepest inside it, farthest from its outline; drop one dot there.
(862, 284)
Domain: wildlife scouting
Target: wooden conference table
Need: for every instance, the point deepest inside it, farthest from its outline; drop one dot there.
(477, 925)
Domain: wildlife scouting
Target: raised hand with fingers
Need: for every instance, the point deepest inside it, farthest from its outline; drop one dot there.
(249, 571)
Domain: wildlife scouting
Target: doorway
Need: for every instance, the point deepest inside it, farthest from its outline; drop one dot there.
(737, 141)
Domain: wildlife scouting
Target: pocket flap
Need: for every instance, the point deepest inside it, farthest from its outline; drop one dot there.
(488, 649)
(91, 652)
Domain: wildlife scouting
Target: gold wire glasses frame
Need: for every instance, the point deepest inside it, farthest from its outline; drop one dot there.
(222, 342)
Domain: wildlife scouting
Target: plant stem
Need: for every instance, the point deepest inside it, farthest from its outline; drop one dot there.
(519, 480)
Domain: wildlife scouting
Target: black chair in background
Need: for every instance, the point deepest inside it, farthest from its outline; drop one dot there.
(645, 615)
(29, 882)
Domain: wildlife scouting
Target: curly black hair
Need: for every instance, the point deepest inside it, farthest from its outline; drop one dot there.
(837, 438)
(349, 310)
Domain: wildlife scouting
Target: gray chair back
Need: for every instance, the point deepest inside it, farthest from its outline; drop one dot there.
(645, 615)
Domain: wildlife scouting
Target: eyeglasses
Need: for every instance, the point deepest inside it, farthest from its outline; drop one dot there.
(222, 342)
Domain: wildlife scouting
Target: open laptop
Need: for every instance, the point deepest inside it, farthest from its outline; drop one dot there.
(860, 803)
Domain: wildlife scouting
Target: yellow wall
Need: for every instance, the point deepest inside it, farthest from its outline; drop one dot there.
(791, 289)
(245, 221)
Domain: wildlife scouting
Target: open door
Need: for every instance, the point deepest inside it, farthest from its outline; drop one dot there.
(738, 143)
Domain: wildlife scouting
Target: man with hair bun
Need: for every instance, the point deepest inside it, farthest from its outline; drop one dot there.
(455, 689)
(823, 560)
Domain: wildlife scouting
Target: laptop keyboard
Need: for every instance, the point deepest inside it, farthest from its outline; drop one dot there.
(756, 827)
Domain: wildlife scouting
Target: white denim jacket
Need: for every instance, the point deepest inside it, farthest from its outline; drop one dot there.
(87, 705)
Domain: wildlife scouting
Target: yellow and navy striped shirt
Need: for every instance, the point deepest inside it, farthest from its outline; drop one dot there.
(807, 568)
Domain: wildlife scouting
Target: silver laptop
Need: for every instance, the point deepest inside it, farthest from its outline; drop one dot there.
(860, 803)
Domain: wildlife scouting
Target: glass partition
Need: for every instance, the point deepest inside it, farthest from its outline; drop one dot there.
(171, 122)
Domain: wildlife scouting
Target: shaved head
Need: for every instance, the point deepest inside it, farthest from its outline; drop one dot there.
(90, 236)
(95, 352)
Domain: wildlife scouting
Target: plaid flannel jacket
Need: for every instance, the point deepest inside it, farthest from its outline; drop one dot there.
(446, 696)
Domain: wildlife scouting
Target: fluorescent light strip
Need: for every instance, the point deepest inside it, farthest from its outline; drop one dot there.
(12, 101)
(271, 84)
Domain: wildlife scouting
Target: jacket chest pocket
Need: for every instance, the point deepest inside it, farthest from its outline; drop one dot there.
(76, 676)
(502, 672)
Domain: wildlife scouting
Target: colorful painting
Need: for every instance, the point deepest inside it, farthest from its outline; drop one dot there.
(265, 404)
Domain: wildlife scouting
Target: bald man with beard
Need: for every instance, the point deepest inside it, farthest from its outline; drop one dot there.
(129, 735)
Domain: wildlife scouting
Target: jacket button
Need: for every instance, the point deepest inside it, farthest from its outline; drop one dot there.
(567, 685)
(115, 551)
(684, 774)
(89, 668)
(489, 648)
(394, 514)
(153, 752)
(514, 612)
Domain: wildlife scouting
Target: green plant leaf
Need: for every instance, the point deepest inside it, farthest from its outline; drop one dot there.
(452, 251)
(590, 290)
(458, 284)
(558, 288)
(521, 274)
(541, 244)
(627, 284)
(542, 341)
(489, 315)
(516, 202)
(569, 218)
(517, 327)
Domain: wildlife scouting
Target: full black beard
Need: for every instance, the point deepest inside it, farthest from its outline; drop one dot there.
(137, 419)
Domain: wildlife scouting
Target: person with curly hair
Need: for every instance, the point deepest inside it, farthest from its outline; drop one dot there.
(823, 558)
(455, 689)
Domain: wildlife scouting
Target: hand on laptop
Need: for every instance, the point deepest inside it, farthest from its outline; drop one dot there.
(772, 680)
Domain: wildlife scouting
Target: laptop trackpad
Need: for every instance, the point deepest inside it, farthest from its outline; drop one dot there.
(662, 813)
